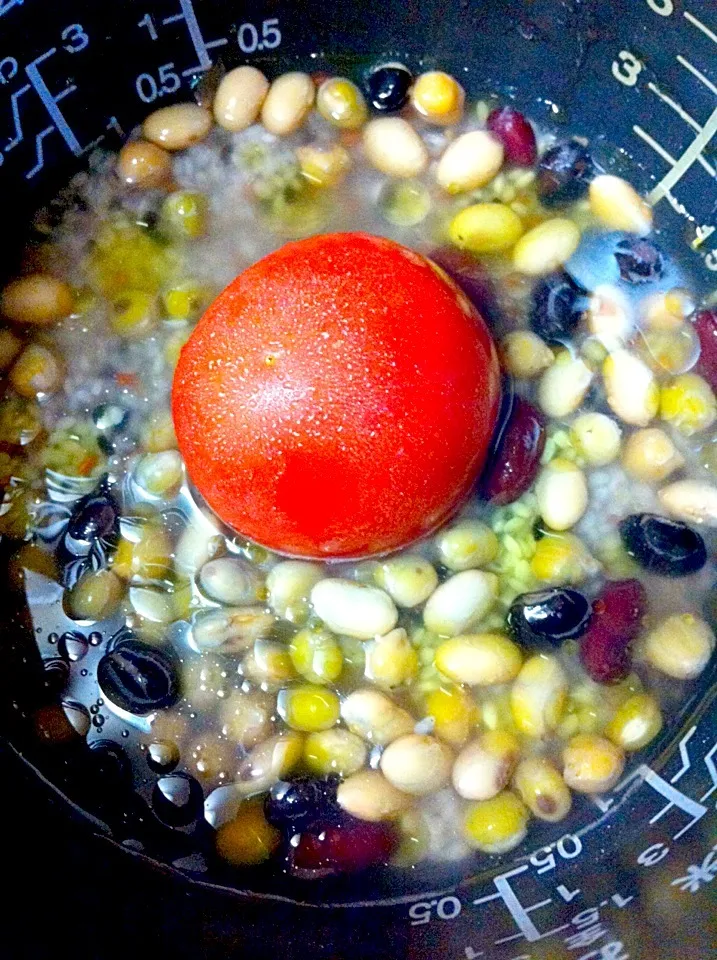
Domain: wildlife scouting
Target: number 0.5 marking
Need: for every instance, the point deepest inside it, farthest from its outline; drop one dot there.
(249, 40)
(148, 89)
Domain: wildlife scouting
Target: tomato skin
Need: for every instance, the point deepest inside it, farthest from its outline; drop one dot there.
(337, 399)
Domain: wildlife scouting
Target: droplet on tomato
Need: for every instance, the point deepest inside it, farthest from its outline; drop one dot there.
(371, 424)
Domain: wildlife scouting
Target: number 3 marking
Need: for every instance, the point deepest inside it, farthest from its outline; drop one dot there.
(628, 69)
(665, 8)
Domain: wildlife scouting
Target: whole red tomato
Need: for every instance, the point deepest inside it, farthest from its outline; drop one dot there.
(337, 399)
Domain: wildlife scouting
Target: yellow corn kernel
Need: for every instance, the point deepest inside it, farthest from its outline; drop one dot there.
(134, 314)
(184, 214)
(467, 545)
(405, 203)
(524, 354)
(669, 352)
(183, 301)
(454, 714)
(249, 838)
(146, 557)
(592, 764)
(562, 558)
(542, 789)
(688, 403)
(341, 103)
(269, 664)
(485, 228)
(596, 437)
(334, 751)
(438, 98)
(317, 655)
(308, 707)
(36, 371)
(496, 825)
(391, 660)
(636, 722)
(323, 166)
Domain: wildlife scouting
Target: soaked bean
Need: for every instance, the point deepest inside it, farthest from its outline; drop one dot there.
(239, 98)
(288, 102)
(246, 717)
(417, 764)
(37, 370)
(375, 717)
(269, 762)
(38, 299)
(177, 127)
(144, 165)
(460, 602)
(232, 630)
(368, 795)
(393, 147)
(353, 609)
(231, 580)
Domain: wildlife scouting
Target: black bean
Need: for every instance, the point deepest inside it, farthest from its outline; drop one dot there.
(298, 805)
(546, 618)
(557, 306)
(387, 87)
(639, 260)
(138, 678)
(564, 173)
(667, 547)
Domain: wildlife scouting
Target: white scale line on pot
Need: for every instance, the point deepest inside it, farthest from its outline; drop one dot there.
(201, 46)
(700, 26)
(681, 112)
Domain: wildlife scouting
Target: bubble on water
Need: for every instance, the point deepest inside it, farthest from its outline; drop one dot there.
(57, 673)
(52, 638)
(98, 720)
(84, 672)
(162, 756)
(125, 734)
(78, 716)
(177, 799)
(72, 645)
(95, 638)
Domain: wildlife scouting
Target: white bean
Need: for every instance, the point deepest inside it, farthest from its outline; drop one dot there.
(619, 206)
(239, 98)
(650, 455)
(483, 767)
(375, 717)
(289, 585)
(563, 386)
(691, 500)
(393, 147)
(546, 247)
(417, 764)
(268, 762)
(470, 162)
(681, 646)
(354, 609)
(200, 541)
(230, 630)
(409, 579)
(631, 388)
(479, 659)
(524, 354)
(562, 493)
(288, 102)
(368, 795)
(460, 602)
(230, 580)
(246, 717)
(177, 127)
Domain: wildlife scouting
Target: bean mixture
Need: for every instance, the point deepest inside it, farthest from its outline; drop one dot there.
(423, 705)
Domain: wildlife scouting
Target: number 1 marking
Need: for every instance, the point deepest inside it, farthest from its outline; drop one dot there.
(148, 22)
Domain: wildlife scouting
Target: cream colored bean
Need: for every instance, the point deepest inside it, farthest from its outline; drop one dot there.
(246, 717)
(354, 609)
(177, 127)
(231, 580)
(562, 493)
(546, 247)
(681, 646)
(38, 299)
(485, 228)
(417, 764)
(269, 762)
(239, 98)
(391, 660)
(334, 751)
(230, 630)
(483, 768)
(152, 604)
(479, 659)
(469, 162)
(524, 354)
(36, 371)
(538, 696)
(393, 147)
(563, 386)
(467, 545)
(198, 543)
(692, 500)
(408, 579)
(631, 388)
(368, 795)
(609, 317)
(460, 602)
(144, 165)
(95, 596)
(651, 456)
(543, 789)
(592, 764)
(596, 437)
(375, 717)
(288, 103)
(616, 204)
(289, 586)
(269, 664)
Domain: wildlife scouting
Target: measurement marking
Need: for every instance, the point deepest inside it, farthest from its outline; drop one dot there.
(681, 112)
(684, 755)
(686, 160)
(658, 148)
(201, 46)
(50, 101)
(700, 26)
(710, 764)
(695, 72)
(39, 152)
(16, 116)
